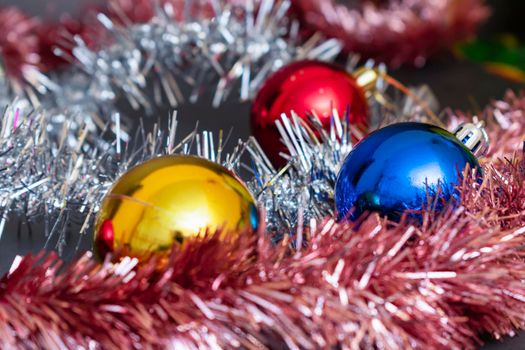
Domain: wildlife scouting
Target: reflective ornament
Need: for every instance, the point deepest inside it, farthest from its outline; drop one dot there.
(396, 168)
(305, 87)
(168, 200)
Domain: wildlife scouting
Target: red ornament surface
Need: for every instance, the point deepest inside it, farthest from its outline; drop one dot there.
(305, 87)
(105, 238)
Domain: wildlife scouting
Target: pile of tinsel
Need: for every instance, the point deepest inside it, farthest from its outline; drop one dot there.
(306, 281)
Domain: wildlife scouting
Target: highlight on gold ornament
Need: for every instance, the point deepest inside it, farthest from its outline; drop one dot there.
(168, 200)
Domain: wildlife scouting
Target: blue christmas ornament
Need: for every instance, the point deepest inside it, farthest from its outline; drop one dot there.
(395, 168)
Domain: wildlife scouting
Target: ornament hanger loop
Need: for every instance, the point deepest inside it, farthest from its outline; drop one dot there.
(474, 137)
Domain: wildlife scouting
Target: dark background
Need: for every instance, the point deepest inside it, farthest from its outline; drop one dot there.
(456, 83)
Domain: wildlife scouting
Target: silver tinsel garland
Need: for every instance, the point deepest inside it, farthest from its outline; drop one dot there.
(55, 152)
(234, 46)
(58, 168)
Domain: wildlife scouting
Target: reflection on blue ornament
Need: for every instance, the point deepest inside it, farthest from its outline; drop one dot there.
(394, 169)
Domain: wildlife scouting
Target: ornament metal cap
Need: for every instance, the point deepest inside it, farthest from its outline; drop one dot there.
(474, 137)
(367, 78)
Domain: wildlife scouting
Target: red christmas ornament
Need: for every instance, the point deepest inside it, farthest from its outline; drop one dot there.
(305, 87)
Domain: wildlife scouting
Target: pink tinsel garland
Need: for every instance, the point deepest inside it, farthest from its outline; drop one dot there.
(395, 31)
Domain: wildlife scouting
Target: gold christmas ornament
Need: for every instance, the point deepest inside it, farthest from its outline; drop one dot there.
(168, 200)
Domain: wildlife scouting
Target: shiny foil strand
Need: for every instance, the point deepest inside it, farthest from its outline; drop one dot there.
(46, 169)
(183, 48)
(55, 152)
(394, 31)
(51, 144)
